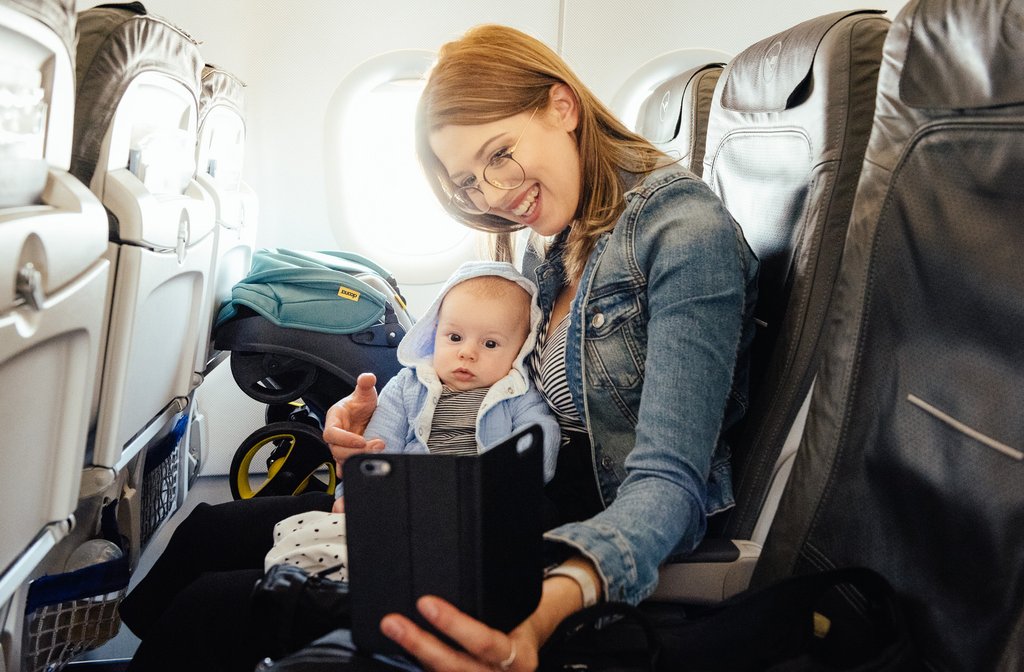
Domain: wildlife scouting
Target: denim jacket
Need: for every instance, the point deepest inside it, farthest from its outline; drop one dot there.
(657, 363)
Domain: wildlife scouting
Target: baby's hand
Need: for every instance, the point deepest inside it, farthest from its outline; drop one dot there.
(347, 419)
(339, 505)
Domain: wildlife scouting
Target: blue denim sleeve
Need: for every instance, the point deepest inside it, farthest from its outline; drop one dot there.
(685, 244)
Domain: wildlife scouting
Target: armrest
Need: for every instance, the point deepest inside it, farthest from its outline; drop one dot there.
(717, 569)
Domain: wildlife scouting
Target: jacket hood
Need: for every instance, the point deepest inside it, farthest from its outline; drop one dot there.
(417, 347)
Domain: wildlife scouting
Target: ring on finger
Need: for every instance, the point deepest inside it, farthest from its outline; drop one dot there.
(506, 664)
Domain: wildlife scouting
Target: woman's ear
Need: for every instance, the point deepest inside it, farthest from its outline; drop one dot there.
(563, 102)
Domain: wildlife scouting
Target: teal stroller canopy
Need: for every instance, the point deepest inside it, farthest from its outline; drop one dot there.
(329, 292)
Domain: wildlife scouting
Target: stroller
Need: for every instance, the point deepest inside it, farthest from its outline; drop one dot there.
(301, 327)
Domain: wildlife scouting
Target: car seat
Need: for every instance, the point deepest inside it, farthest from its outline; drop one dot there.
(301, 328)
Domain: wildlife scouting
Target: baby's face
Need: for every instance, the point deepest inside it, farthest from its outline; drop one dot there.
(477, 339)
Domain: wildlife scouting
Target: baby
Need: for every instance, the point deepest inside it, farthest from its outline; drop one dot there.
(463, 388)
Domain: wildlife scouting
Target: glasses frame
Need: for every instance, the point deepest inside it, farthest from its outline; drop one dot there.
(460, 196)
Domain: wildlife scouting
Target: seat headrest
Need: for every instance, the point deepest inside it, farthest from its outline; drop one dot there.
(964, 54)
(660, 114)
(116, 43)
(220, 87)
(58, 15)
(765, 75)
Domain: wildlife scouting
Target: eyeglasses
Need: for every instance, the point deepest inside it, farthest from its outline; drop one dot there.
(501, 172)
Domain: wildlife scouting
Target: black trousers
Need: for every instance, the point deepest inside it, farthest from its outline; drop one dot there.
(192, 610)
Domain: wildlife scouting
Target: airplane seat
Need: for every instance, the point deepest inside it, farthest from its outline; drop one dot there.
(135, 139)
(219, 156)
(53, 280)
(786, 136)
(220, 152)
(913, 453)
(675, 116)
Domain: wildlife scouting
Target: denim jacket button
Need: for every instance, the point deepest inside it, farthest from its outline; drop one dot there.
(607, 463)
(597, 321)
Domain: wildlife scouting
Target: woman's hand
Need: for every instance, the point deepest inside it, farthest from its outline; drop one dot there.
(347, 419)
(486, 649)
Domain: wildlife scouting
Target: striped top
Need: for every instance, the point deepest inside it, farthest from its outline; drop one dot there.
(548, 363)
(453, 430)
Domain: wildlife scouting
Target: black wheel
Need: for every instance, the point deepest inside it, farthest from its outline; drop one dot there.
(282, 458)
(270, 378)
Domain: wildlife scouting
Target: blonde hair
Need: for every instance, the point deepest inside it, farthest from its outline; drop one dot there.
(495, 72)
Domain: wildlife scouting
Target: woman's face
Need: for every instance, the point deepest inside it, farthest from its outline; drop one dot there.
(549, 196)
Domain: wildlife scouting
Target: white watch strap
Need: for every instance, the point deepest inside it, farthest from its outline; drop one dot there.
(581, 577)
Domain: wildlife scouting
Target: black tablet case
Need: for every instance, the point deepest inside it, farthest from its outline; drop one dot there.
(465, 528)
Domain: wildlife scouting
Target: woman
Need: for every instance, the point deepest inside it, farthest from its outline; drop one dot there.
(647, 286)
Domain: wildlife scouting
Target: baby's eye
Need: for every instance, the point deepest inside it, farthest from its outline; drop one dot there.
(454, 338)
(490, 344)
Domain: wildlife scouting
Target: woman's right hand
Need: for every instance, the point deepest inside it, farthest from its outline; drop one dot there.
(483, 648)
(347, 419)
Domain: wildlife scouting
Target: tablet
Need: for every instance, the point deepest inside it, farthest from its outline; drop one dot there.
(465, 528)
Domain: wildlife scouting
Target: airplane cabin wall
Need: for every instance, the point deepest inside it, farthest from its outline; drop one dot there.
(294, 55)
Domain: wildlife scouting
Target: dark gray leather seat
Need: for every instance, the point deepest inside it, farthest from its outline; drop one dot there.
(675, 116)
(786, 139)
(786, 136)
(913, 456)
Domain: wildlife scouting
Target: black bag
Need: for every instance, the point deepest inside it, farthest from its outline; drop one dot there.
(331, 653)
(299, 607)
(843, 619)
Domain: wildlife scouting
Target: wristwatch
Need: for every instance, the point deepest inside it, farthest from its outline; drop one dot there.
(581, 577)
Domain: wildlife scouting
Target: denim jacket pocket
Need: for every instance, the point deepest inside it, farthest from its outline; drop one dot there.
(615, 341)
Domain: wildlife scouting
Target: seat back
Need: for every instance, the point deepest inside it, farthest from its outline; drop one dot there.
(53, 280)
(786, 138)
(675, 116)
(219, 156)
(913, 454)
(135, 137)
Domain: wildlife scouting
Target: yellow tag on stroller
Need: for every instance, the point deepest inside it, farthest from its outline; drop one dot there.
(346, 293)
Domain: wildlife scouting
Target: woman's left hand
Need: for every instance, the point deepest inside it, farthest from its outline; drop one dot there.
(486, 649)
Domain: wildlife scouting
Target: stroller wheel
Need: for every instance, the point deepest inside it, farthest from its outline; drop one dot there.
(272, 378)
(282, 458)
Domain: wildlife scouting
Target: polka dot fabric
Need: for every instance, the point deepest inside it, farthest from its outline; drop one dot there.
(313, 541)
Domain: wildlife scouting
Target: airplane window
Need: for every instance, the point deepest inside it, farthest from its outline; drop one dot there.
(388, 196)
(381, 205)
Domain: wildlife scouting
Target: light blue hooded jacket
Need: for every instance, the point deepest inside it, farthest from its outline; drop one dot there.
(405, 407)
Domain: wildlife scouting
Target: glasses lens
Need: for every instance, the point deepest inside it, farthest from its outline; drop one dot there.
(504, 172)
(471, 200)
